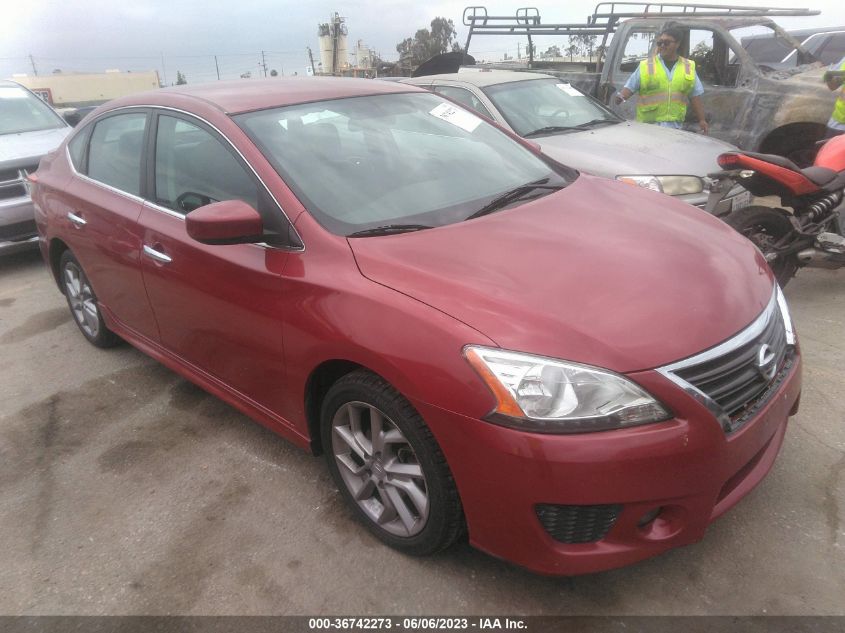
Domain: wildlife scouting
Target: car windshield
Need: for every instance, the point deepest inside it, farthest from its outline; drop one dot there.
(399, 161)
(545, 106)
(21, 111)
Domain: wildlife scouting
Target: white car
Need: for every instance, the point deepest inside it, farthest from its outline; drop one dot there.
(29, 129)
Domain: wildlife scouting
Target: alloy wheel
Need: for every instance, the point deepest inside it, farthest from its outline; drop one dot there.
(81, 298)
(380, 469)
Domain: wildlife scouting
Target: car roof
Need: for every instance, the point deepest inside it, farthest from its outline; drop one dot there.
(482, 78)
(247, 95)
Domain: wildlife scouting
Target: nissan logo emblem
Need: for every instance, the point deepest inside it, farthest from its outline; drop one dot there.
(765, 362)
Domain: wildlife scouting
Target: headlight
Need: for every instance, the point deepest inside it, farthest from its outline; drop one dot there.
(787, 319)
(544, 395)
(670, 185)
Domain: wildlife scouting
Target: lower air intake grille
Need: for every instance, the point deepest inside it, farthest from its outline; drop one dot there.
(18, 231)
(577, 524)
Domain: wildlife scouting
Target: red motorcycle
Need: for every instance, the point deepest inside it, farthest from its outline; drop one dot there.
(808, 235)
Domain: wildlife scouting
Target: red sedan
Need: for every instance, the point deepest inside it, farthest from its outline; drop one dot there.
(576, 373)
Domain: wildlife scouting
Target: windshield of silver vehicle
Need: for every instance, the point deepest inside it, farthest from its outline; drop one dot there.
(393, 162)
(546, 105)
(21, 111)
(769, 48)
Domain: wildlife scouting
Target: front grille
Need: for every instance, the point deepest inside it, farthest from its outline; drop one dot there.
(18, 231)
(745, 373)
(577, 524)
(13, 182)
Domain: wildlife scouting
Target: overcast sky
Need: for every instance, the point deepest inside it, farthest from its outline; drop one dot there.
(185, 35)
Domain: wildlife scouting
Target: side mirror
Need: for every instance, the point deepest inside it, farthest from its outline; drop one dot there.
(227, 222)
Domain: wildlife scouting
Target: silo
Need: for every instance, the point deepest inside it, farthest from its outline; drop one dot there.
(333, 51)
(364, 55)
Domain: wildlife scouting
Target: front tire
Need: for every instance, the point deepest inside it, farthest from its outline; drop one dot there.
(83, 303)
(765, 227)
(388, 466)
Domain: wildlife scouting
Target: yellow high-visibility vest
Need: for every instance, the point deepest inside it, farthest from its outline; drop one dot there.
(659, 99)
(839, 108)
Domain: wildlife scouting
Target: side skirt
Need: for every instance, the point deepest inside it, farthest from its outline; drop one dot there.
(208, 382)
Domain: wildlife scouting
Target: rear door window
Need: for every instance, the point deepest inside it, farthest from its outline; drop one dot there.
(114, 153)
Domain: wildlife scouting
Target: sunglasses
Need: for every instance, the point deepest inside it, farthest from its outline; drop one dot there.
(665, 42)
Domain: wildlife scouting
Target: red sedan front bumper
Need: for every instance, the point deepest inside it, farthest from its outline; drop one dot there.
(687, 467)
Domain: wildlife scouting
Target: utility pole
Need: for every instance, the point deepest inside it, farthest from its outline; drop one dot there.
(163, 69)
(263, 63)
(34, 69)
(335, 37)
(518, 50)
(311, 57)
(217, 67)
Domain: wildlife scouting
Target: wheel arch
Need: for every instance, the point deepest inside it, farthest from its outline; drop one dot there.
(317, 386)
(787, 138)
(57, 249)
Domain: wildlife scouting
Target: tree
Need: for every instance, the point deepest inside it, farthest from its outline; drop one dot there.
(274, 73)
(180, 78)
(583, 43)
(427, 43)
(601, 50)
(571, 50)
(552, 51)
(701, 49)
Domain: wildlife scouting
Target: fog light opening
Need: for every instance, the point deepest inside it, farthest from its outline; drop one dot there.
(649, 516)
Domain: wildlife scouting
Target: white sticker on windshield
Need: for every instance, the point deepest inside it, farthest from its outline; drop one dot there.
(456, 116)
(572, 92)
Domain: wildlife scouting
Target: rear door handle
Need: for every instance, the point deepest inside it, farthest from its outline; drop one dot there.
(78, 221)
(156, 255)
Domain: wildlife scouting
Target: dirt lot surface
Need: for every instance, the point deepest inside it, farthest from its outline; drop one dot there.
(126, 490)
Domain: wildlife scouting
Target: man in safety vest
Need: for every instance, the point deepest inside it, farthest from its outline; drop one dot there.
(836, 125)
(665, 83)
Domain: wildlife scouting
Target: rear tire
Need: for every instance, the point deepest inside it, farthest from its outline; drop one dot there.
(388, 466)
(83, 303)
(765, 226)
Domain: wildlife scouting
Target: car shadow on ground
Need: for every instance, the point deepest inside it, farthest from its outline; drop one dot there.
(20, 261)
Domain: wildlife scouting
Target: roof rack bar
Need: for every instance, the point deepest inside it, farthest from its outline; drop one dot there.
(619, 10)
(546, 29)
(606, 16)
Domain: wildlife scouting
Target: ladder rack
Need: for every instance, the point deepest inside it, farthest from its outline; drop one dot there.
(605, 18)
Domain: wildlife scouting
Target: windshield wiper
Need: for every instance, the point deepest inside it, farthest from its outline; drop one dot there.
(594, 122)
(389, 229)
(551, 129)
(515, 194)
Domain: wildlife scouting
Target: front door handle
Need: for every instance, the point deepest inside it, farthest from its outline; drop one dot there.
(156, 255)
(78, 221)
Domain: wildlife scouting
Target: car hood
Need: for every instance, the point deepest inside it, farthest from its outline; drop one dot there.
(631, 148)
(30, 146)
(601, 273)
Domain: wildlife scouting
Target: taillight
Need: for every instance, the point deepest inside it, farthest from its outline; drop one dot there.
(727, 161)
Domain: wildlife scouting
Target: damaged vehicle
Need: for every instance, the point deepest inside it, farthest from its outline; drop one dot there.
(29, 129)
(474, 336)
(753, 106)
(574, 129)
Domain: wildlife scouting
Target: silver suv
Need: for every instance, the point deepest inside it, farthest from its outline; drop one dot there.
(29, 129)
